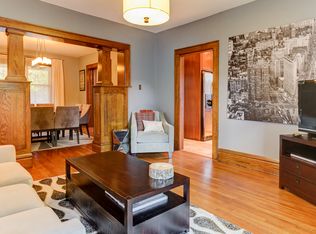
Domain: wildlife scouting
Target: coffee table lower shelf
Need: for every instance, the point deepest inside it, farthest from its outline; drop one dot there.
(91, 201)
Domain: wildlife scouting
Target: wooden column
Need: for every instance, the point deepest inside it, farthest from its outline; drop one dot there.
(110, 105)
(104, 66)
(15, 101)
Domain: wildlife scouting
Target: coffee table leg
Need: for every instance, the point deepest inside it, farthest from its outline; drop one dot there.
(67, 177)
(186, 195)
(128, 217)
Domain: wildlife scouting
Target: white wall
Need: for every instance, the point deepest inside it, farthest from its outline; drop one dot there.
(83, 62)
(244, 136)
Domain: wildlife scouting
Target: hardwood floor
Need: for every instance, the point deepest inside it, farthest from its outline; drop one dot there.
(247, 198)
(203, 148)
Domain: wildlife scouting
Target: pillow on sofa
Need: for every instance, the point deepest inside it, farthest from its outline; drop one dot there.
(140, 116)
(153, 126)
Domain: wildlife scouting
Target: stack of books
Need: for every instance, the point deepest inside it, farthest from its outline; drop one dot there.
(143, 205)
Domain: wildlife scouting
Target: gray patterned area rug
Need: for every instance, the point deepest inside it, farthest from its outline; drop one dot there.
(63, 142)
(52, 192)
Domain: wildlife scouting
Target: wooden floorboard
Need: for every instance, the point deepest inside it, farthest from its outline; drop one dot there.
(247, 198)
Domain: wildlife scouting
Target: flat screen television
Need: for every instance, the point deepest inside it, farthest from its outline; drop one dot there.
(307, 106)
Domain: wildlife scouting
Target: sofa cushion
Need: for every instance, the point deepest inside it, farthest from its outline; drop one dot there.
(38, 221)
(152, 137)
(140, 116)
(17, 198)
(14, 173)
(30, 221)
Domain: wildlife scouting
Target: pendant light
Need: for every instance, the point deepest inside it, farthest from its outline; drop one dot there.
(146, 12)
(41, 60)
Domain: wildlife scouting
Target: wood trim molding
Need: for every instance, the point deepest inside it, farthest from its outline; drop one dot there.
(249, 161)
(60, 35)
(179, 99)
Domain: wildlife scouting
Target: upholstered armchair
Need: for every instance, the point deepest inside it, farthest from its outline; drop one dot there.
(152, 142)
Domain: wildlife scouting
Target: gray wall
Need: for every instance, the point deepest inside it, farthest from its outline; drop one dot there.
(244, 136)
(152, 56)
(142, 43)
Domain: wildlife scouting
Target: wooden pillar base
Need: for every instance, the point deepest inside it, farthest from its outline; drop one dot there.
(15, 118)
(110, 113)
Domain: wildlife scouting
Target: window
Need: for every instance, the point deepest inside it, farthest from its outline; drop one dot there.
(41, 84)
(40, 77)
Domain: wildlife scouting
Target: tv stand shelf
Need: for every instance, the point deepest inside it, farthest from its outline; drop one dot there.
(298, 166)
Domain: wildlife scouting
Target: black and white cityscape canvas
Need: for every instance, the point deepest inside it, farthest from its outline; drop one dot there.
(264, 67)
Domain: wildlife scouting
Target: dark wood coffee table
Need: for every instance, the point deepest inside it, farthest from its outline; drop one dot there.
(126, 178)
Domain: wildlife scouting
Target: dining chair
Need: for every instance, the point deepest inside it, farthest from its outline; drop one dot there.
(42, 120)
(67, 118)
(85, 117)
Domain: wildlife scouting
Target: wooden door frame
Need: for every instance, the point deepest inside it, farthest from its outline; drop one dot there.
(90, 67)
(179, 93)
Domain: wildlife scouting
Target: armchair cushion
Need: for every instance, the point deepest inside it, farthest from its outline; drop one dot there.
(152, 137)
(140, 116)
(14, 173)
(153, 126)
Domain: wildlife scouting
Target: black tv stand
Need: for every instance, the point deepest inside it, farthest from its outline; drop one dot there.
(298, 166)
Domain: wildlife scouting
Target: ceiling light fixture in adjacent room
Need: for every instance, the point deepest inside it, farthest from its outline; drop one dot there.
(41, 60)
(146, 12)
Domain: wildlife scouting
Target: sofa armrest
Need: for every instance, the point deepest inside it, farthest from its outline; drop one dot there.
(133, 132)
(7, 153)
(72, 226)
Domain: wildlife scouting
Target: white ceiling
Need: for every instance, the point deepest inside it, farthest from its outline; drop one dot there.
(52, 47)
(182, 11)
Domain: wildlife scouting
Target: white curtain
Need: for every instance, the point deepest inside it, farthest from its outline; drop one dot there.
(58, 90)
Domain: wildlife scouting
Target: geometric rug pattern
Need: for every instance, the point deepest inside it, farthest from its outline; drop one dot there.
(63, 142)
(52, 193)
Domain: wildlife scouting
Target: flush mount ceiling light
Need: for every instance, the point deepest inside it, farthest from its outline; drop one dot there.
(146, 12)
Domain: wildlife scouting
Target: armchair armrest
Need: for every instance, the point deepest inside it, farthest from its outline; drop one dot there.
(7, 153)
(133, 132)
(169, 129)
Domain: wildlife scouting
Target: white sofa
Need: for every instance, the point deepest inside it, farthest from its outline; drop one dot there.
(12, 172)
(152, 142)
(41, 220)
(21, 209)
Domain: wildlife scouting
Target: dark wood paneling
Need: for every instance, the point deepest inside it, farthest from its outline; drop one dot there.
(192, 96)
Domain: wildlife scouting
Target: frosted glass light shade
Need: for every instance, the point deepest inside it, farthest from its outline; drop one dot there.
(146, 12)
(41, 62)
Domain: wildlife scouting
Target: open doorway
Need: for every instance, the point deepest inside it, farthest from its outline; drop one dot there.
(196, 99)
(198, 82)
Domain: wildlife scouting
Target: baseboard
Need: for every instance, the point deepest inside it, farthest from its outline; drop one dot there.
(252, 162)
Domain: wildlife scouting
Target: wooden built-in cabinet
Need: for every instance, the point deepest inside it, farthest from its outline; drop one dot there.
(298, 166)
